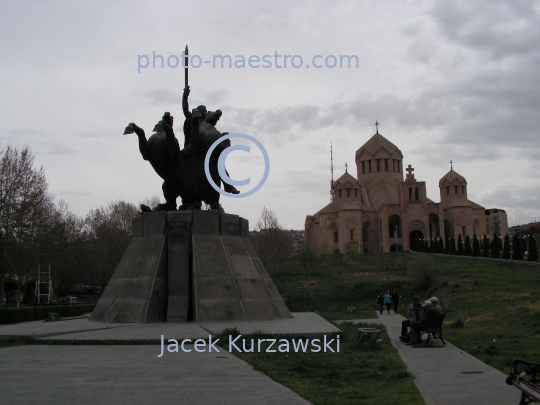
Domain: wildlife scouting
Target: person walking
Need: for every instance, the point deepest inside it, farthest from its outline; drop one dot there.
(380, 302)
(388, 301)
(395, 300)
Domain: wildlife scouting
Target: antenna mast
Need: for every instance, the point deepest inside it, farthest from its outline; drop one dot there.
(331, 173)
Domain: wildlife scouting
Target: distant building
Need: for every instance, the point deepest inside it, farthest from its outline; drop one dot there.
(381, 211)
(532, 228)
(297, 239)
(496, 222)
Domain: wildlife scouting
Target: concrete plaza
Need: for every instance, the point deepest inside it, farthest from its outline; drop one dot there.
(132, 373)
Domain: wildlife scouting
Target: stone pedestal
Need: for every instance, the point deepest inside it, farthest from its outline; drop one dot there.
(190, 266)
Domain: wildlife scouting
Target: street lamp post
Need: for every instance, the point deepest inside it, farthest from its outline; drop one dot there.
(397, 246)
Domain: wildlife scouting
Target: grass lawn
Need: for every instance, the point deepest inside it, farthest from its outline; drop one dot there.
(369, 374)
(501, 299)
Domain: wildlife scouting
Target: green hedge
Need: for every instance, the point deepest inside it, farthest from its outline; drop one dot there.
(25, 314)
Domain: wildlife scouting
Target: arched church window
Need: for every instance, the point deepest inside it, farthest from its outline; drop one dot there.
(348, 192)
(456, 189)
(356, 192)
(378, 165)
(369, 165)
(416, 197)
(385, 165)
(336, 237)
(410, 193)
(462, 189)
(364, 167)
(339, 193)
(448, 190)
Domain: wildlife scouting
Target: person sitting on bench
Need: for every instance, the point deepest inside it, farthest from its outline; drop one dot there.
(431, 315)
(435, 302)
(413, 315)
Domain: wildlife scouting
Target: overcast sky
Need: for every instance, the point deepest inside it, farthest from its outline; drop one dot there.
(447, 81)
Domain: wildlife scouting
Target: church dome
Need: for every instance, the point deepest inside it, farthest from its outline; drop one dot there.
(375, 143)
(379, 159)
(346, 181)
(452, 177)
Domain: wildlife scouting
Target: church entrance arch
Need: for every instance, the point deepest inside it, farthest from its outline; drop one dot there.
(416, 239)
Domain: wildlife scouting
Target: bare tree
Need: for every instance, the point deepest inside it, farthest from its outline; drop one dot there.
(108, 230)
(26, 209)
(150, 201)
(271, 241)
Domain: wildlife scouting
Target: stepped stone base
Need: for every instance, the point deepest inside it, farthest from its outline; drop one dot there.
(190, 266)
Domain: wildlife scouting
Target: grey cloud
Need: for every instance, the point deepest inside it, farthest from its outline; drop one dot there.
(524, 196)
(501, 28)
(161, 96)
(217, 96)
(521, 201)
(73, 193)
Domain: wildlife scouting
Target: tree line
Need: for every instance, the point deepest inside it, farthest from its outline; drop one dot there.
(484, 247)
(37, 233)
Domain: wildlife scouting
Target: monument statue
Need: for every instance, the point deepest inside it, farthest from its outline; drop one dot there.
(182, 170)
(188, 264)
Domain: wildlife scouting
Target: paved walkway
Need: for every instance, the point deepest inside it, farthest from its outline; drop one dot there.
(76, 375)
(447, 375)
(120, 374)
(134, 374)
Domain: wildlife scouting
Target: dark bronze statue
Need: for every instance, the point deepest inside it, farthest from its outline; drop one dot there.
(187, 131)
(182, 170)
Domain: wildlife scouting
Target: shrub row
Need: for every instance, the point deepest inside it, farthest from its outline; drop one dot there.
(25, 314)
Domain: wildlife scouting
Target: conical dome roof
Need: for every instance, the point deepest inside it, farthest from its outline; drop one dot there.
(346, 177)
(376, 142)
(452, 177)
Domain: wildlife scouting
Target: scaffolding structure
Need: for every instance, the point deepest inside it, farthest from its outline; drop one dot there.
(44, 289)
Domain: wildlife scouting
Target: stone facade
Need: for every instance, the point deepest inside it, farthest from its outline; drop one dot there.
(381, 210)
(496, 221)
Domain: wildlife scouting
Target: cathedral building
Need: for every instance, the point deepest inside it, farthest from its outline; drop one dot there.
(381, 210)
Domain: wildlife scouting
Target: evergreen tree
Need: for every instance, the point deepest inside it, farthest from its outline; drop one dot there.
(468, 250)
(523, 246)
(517, 254)
(533, 249)
(441, 246)
(495, 247)
(459, 245)
(452, 245)
(476, 246)
(506, 249)
(485, 246)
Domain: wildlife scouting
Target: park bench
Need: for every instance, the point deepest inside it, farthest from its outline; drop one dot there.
(526, 378)
(435, 331)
